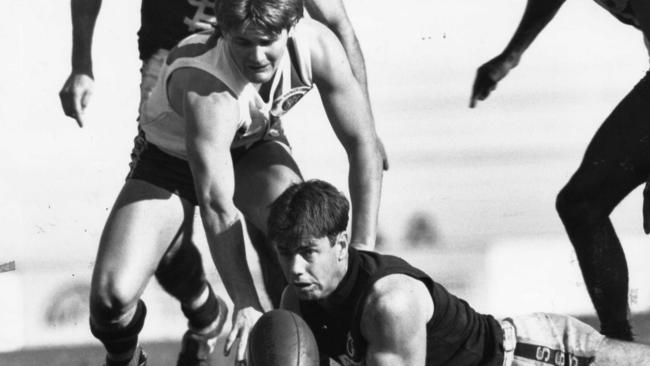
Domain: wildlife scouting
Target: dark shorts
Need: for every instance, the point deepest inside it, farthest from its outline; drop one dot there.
(152, 165)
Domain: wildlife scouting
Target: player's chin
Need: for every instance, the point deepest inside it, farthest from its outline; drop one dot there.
(307, 293)
(259, 76)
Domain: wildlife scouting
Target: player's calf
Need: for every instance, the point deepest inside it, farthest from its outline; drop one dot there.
(120, 339)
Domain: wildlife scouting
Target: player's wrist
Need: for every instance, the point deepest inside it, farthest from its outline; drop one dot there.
(82, 66)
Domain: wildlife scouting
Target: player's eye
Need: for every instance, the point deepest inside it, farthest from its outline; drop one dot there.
(243, 42)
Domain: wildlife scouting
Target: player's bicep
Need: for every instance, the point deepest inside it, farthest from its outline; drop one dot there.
(329, 12)
(342, 96)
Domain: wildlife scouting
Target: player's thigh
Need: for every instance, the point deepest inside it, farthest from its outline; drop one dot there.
(617, 158)
(144, 221)
(620, 353)
(261, 175)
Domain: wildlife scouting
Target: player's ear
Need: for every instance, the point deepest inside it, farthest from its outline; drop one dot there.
(291, 30)
(342, 245)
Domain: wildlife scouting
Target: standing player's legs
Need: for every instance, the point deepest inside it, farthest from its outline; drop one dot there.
(144, 221)
(261, 175)
(616, 161)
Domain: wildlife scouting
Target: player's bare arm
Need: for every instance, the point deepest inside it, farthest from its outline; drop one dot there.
(394, 322)
(211, 113)
(78, 88)
(332, 13)
(348, 111)
(537, 15)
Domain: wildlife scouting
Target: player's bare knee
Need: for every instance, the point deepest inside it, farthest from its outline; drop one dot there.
(110, 299)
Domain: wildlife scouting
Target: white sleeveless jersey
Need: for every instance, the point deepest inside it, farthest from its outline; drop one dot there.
(209, 52)
(621, 9)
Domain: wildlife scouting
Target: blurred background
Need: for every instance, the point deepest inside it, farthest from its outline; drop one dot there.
(469, 196)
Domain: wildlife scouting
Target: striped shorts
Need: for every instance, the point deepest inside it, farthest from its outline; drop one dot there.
(543, 339)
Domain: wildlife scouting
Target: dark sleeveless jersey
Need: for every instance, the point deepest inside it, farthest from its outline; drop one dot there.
(456, 335)
(165, 22)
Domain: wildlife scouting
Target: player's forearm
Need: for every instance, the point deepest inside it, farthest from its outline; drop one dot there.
(365, 178)
(225, 237)
(84, 15)
(537, 15)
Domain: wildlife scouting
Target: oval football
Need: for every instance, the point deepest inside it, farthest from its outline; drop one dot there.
(282, 338)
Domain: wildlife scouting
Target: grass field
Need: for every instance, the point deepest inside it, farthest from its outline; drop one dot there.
(165, 353)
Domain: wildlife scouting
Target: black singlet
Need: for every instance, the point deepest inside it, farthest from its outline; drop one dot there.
(456, 335)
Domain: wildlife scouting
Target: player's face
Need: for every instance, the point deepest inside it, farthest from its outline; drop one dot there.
(257, 53)
(313, 267)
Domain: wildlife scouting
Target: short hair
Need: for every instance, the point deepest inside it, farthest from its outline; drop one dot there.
(310, 209)
(270, 15)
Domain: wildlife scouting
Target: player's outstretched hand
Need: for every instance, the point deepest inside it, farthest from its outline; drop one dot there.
(646, 207)
(242, 323)
(75, 95)
(488, 76)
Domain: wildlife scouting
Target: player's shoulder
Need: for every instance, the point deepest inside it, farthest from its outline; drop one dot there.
(193, 46)
(315, 34)
(397, 294)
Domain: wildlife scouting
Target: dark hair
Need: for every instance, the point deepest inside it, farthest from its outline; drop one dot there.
(270, 15)
(310, 209)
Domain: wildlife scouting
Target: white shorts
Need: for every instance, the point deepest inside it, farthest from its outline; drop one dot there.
(544, 339)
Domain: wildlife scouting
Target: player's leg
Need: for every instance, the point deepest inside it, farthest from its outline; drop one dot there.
(551, 339)
(261, 175)
(144, 220)
(616, 161)
(180, 272)
(613, 352)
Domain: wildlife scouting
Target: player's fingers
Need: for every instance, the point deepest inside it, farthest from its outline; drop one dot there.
(472, 101)
(65, 96)
(230, 340)
(242, 346)
(475, 91)
(78, 110)
(81, 120)
(384, 156)
(85, 98)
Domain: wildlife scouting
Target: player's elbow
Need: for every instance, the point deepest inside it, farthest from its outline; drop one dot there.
(217, 204)
(367, 150)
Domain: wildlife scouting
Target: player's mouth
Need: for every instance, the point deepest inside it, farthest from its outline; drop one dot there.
(302, 286)
(256, 68)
